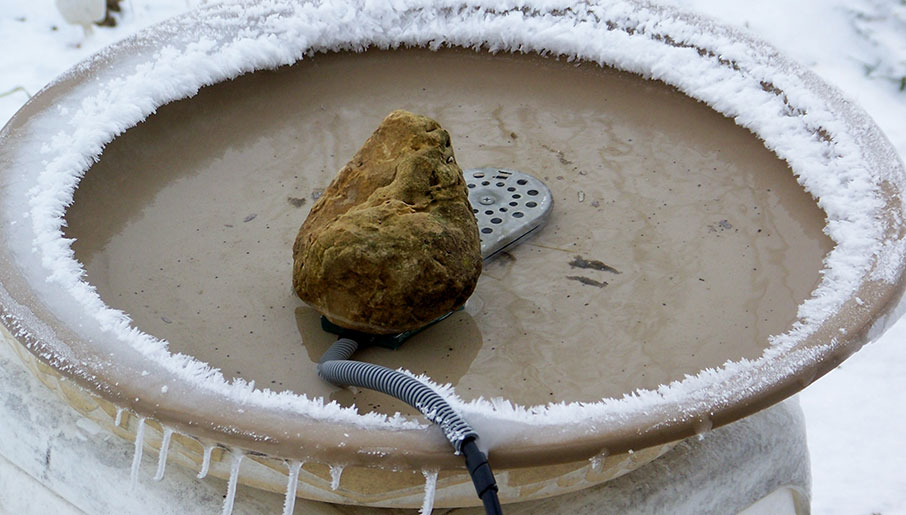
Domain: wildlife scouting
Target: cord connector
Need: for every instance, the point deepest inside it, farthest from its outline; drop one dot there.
(482, 476)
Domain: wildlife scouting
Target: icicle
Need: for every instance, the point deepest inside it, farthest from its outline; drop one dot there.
(162, 458)
(231, 486)
(335, 472)
(289, 503)
(597, 462)
(119, 417)
(430, 489)
(205, 462)
(137, 457)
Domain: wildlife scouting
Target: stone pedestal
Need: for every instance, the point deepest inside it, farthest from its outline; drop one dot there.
(54, 460)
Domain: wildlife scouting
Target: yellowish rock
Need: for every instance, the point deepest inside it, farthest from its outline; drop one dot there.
(392, 243)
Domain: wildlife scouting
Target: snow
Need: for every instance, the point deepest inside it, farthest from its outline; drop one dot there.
(857, 452)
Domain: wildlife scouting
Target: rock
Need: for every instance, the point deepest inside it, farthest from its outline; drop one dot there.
(392, 243)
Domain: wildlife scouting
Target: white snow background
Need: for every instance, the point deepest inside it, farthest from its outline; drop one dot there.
(854, 414)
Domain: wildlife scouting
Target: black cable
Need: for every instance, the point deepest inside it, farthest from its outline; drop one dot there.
(336, 368)
(482, 477)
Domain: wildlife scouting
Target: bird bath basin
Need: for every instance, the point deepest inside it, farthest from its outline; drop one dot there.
(685, 279)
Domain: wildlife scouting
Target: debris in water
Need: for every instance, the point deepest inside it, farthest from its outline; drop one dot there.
(162, 458)
(430, 489)
(316, 194)
(560, 155)
(587, 280)
(296, 201)
(205, 462)
(231, 485)
(595, 203)
(335, 472)
(593, 264)
(137, 457)
(722, 225)
(250, 218)
(289, 503)
(581, 195)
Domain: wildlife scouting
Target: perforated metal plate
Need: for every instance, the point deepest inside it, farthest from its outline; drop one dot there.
(508, 204)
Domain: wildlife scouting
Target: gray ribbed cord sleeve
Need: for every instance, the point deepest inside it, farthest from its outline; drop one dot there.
(335, 367)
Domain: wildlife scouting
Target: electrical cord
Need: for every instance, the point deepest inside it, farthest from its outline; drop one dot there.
(482, 477)
(337, 368)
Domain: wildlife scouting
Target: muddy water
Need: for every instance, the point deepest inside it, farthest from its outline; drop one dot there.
(709, 244)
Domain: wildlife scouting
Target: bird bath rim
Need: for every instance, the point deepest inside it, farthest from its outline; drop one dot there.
(808, 123)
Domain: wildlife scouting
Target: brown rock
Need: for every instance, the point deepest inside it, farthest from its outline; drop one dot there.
(392, 243)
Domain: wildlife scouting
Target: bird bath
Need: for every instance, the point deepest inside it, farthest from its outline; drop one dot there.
(684, 280)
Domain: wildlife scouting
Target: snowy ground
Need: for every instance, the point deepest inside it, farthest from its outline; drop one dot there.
(853, 414)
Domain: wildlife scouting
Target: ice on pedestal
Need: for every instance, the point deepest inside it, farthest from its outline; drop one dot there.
(289, 503)
(335, 472)
(162, 458)
(231, 485)
(205, 462)
(597, 462)
(137, 457)
(430, 489)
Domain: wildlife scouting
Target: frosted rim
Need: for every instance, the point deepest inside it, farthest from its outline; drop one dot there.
(835, 150)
